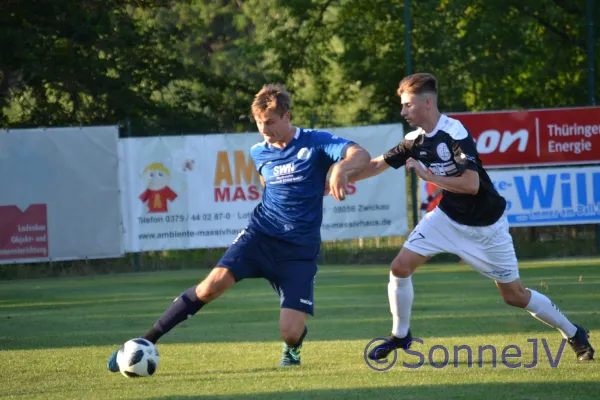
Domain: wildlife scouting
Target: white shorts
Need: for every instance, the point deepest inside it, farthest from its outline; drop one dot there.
(488, 249)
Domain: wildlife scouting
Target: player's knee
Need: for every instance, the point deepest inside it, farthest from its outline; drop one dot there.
(290, 334)
(213, 286)
(400, 270)
(207, 291)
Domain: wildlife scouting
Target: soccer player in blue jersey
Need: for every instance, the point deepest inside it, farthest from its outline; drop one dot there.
(283, 237)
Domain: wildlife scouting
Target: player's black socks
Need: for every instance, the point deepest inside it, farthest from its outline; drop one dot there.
(184, 306)
(299, 342)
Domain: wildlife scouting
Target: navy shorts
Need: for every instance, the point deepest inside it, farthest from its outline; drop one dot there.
(289, 267)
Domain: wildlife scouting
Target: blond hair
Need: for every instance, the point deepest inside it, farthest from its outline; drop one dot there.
(418, 84)
(273, 97)
(157, 166)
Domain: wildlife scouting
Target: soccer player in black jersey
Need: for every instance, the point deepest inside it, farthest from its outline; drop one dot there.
(469, 221)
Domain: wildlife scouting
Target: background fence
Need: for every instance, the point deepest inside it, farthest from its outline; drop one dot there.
(530, 242)
(547, 242)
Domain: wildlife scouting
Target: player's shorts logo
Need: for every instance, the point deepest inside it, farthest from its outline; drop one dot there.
(444, 152)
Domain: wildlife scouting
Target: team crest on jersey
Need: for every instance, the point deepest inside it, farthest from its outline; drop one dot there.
(444, 152)
(304, 153)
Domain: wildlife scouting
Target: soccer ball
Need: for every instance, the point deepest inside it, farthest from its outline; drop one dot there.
(138, 357)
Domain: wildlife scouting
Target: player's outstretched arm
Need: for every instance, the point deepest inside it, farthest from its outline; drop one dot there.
(465, 183)
(355, 159)
(374, 167)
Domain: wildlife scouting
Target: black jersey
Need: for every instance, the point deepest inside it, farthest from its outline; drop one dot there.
(448, 151)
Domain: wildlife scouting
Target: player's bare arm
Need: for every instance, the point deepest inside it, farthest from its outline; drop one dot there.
(375, 167)
(355, 159)
(466, 183)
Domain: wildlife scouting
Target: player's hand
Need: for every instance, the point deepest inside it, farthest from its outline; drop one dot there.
(338, 184)
(326, 192)
(414, 165)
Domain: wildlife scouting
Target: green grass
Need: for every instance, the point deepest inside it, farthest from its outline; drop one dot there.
(55, 336)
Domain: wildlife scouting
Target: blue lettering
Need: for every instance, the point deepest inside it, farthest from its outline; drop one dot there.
(566, 190)
(502, 185)
(581, 190)
(414, 353)
(484, 348)
(536, 190)
(469, 355)
(506, 356)
(534, 362)
(596, 186)
(554, 361)
(446, 356)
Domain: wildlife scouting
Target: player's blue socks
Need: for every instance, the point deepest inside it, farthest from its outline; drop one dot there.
(184, 306)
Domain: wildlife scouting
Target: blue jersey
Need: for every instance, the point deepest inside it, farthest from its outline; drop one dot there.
(292, 202)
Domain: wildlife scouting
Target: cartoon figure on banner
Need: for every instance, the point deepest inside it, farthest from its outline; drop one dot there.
(158, 193)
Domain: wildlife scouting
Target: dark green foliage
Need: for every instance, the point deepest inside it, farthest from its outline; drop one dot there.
(193, 66)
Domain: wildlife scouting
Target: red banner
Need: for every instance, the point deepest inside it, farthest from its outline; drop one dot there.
(536, 137)
(23, 234)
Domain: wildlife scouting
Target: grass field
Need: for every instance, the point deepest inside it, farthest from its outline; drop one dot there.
(56, 334)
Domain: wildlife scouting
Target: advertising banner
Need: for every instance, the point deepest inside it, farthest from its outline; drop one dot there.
(535, 137)
(199, 191)
(62, 194)
(24, 233)
(550, 196)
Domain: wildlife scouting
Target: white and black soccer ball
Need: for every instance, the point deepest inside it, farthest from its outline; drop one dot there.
(138, 357)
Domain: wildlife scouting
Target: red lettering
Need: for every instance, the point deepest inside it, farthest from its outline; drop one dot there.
(239, 194)
(222, 194)
(351, 188)
(253, 193)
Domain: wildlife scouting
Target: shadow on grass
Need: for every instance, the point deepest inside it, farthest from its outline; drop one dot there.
(511, 390)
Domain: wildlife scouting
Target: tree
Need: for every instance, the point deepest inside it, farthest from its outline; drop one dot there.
(193, 66)
(71, 62)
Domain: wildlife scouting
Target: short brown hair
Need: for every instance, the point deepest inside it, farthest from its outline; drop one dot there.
(273, 97)
(418, 84)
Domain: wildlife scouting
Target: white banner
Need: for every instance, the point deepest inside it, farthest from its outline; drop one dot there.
(61, 194)
(184, 192)
(556, 196)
